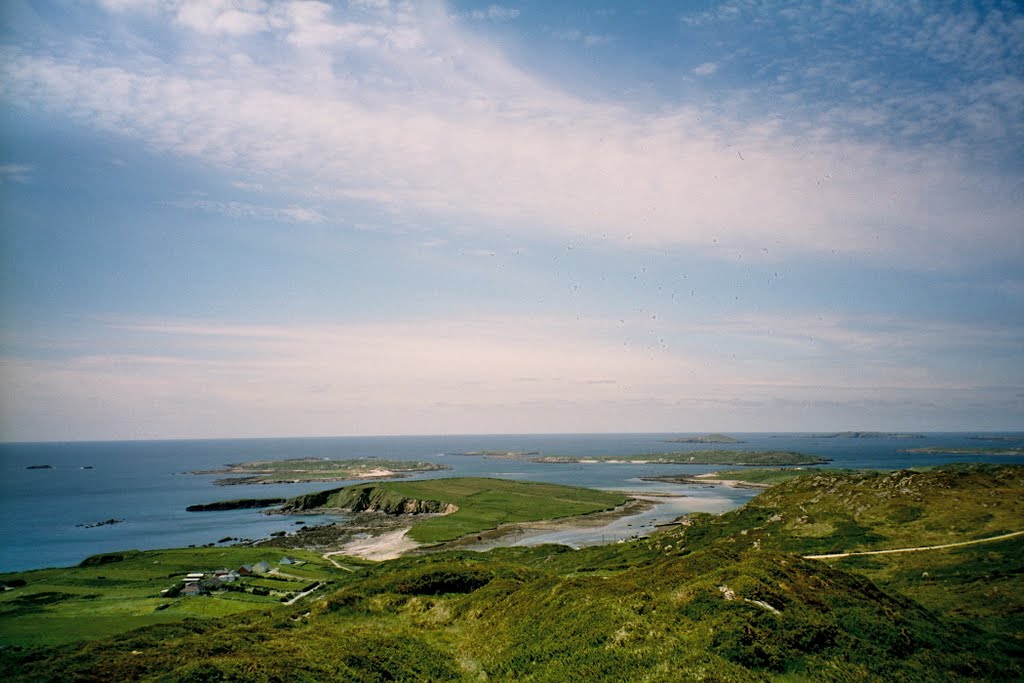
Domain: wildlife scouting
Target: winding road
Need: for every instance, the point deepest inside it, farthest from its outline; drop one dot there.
(913, 550)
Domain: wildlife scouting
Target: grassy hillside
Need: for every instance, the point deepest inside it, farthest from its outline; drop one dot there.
(480, 503)
(719, 599)
(829, 512)
(708, 615)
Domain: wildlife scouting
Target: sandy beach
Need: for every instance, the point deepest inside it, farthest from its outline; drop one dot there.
(386, 546)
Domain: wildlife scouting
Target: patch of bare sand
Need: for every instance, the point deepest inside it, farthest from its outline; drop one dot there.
(386, 546)
(713, 478)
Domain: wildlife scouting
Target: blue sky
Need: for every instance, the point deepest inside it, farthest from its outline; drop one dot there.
(242, 218)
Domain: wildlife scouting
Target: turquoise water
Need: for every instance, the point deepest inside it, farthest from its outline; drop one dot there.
(148, 485)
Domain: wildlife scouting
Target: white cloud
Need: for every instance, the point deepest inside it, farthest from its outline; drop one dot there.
(494, 13)
(442, 127)
(592, 39)
(15, 173)
(233, 17)
(133, 5)
(290, 214)
(370, 4)
(706, 69)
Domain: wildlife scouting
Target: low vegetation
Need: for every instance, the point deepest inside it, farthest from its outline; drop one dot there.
(115, 592)
(942, 450)
(715, 457)
(726, 598)
(472, 504)
(318, 469)
(760, 477)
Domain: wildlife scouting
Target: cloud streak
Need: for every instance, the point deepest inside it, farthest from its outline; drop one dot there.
(290, 214)
(445, 128)
(184, 377)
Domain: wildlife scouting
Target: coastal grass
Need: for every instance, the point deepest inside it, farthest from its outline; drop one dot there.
(828, 512)
(977, 584)
(482, 503)
(726, 598)
(317, 469)
(101, 598)
(992, 450)
(769, 476)
(489, 503)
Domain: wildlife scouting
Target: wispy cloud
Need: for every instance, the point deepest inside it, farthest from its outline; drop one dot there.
(289, 214)
(706, 69)
(15, 173)
(494, 13)
(486, 374)
(587, 39)
(444, 127)
(951, 75)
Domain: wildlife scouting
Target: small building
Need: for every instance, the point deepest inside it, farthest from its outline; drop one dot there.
(192, 589)
(245, 570)
(194, 576)
(225, 575)
(286, 560)
(261, 567)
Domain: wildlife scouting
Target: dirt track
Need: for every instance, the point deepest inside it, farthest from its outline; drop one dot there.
(913, 550)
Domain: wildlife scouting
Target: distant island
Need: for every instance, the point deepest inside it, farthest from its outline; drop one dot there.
(939, 450)
(716, 457)
(39, 467)
(864, 435)
(706, 438)
(996, 437)
(498, 454)
(297, 470)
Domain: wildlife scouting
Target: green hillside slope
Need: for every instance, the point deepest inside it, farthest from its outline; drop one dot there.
(724, 598)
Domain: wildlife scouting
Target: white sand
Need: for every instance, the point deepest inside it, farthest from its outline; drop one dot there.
(386, 546)
(379, 472)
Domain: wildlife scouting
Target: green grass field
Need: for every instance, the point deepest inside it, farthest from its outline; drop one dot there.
(482, 503)
(488, 503)
(85, 602)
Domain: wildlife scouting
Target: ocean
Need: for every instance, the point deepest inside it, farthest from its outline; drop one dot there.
(47, 515)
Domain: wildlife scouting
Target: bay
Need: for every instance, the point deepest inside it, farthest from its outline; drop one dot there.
(45, 513)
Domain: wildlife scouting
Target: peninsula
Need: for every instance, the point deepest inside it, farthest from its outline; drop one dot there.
(460, 505)
(705, 438)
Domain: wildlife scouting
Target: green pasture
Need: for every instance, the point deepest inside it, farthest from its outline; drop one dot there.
(99, 600)
(488, 503)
